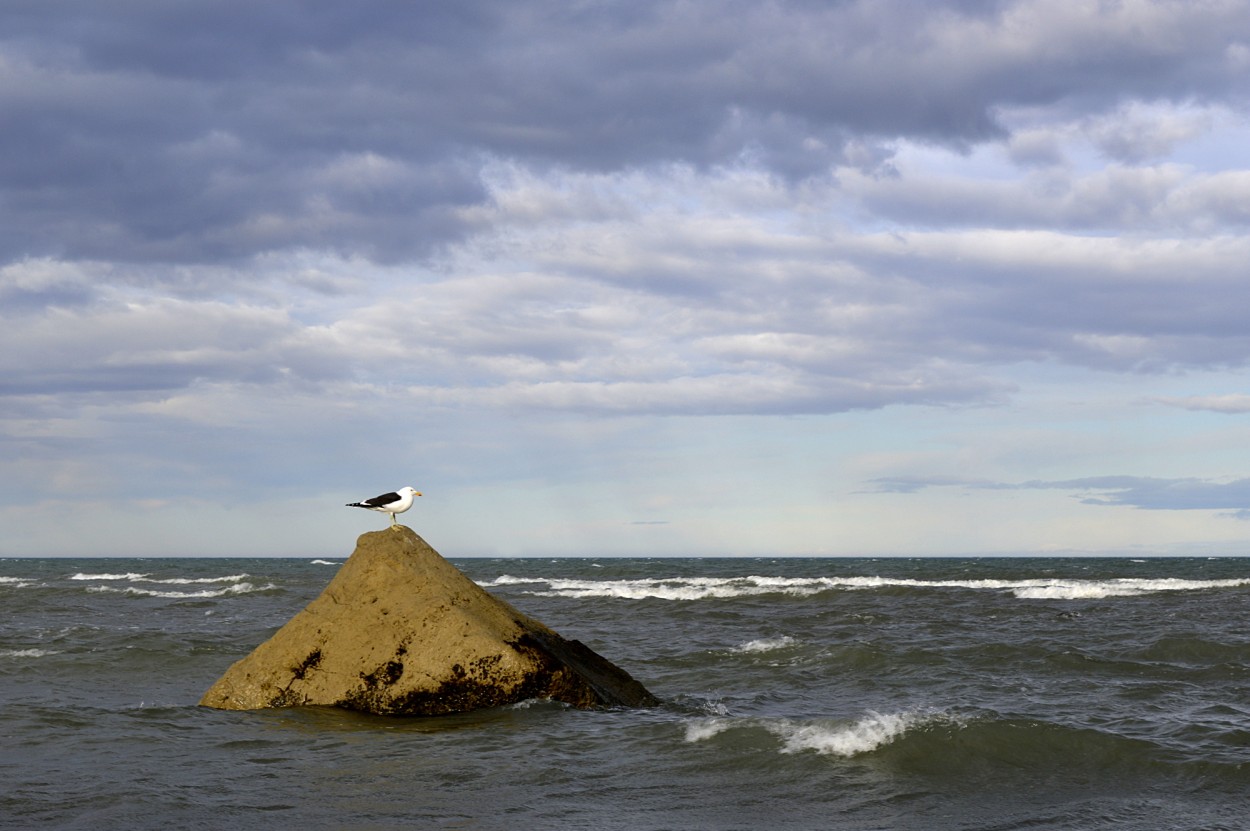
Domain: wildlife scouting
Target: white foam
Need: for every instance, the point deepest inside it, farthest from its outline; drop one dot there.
(324, 563)
(1123, 587)
(133, 591)
(827, 737)
(682, 588)
(705, 728)
(27, 653)
(135, 577)
(703, 588)
(190, 581)
(528, 703)
(15, 582)
(765, 644)
(872, 731)
(509, 580)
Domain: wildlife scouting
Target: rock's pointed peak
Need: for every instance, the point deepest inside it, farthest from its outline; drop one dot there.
(399, 630)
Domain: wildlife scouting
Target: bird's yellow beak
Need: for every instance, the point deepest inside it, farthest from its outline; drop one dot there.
(417, 493)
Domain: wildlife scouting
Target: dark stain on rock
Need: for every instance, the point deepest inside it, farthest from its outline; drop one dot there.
(455, 695)
(307, 665)
(287, 698)
(383, 676)
(564, 671)
(583, 675)
(373, 695)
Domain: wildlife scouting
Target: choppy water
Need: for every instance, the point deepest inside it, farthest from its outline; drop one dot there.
(798, 694)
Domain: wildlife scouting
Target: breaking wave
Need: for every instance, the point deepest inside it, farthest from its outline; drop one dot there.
(171, 581)
(135, 591)
(704, 588)
(826, 737)
(765, 644)
(27, 653)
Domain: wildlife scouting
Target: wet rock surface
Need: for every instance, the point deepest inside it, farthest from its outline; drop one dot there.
(401, 631)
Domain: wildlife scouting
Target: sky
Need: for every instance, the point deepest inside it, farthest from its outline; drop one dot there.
(647, 278)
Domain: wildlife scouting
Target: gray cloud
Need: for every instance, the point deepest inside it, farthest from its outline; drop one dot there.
(1165, 199)
(144, 133)
(615, 307)
(1145, 492)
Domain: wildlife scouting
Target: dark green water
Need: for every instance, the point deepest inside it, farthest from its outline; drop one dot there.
(800, 694)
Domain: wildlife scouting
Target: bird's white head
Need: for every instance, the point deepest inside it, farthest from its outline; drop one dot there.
(410, 491)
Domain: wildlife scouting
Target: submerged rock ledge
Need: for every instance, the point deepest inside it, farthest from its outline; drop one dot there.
(401, 631)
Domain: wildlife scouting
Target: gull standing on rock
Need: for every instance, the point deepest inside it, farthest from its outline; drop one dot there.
(389, 503)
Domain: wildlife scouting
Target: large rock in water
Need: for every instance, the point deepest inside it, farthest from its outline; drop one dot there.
(401, 631)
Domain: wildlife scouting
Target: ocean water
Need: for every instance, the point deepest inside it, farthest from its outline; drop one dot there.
(925, 694)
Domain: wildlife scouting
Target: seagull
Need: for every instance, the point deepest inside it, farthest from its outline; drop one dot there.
(389, 503)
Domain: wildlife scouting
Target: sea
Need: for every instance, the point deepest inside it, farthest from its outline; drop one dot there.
(920, 694)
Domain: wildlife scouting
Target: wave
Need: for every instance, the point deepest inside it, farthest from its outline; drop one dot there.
(662, 588)
(27, 653)
(765, 644)
(1121, 587)
(509, 580)
(237, 588)
(826, 737)
(948, 746)
(135, 577)
(704, 588)
(190, 581)
(324, 563)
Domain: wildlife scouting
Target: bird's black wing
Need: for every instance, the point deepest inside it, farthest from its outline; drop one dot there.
(384, 499)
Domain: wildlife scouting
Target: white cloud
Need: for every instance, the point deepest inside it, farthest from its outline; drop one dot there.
(1137, 132)
(1232, 403)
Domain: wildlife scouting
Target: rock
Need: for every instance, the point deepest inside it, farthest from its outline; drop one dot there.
(401, 631)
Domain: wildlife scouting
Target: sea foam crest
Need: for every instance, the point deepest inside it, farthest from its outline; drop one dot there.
(135, 577)
(509, 580)
(134, 591)
(765, 644)
(828, 737)
(27, 653)
(192, 581)
(705, 728)
(872, 731)
(683, 588)
(1123, 587)
(703, 588)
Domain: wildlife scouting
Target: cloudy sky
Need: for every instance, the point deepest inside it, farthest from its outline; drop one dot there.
(655, 277)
